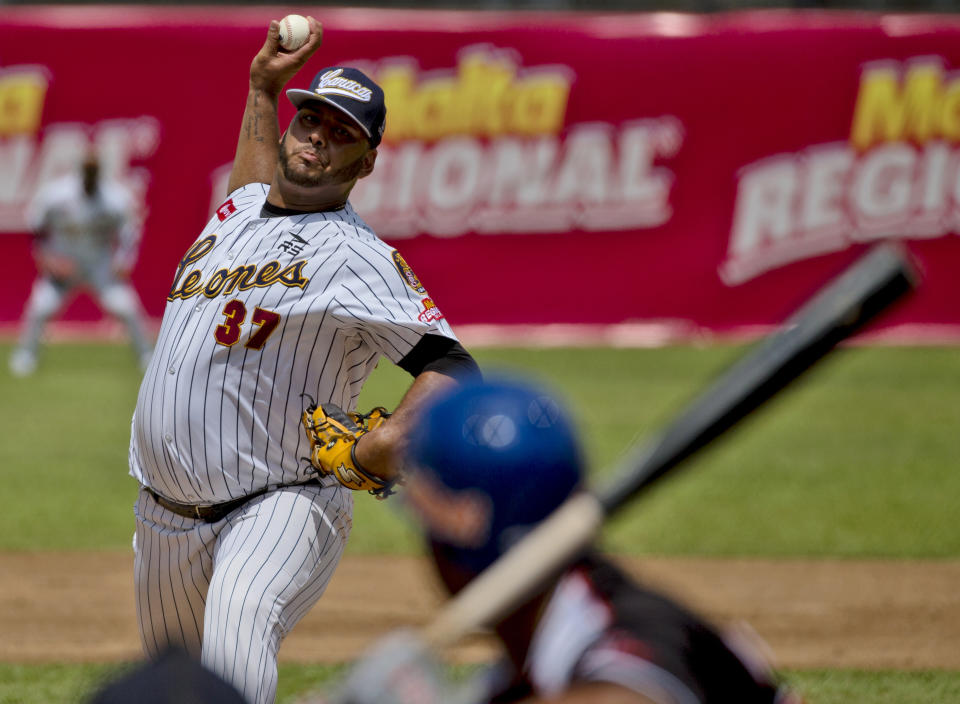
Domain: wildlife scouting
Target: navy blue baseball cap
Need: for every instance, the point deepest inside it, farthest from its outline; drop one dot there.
(351, 91)
(489, 461)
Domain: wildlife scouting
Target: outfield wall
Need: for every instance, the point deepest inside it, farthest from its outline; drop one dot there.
(697, 173)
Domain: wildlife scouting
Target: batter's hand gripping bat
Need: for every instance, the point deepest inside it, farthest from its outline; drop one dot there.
(874, 282)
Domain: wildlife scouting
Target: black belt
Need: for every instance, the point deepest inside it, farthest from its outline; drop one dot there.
(211, 513)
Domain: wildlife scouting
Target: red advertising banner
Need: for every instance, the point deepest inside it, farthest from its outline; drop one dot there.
(708, 171)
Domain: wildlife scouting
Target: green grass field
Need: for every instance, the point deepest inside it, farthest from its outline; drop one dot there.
(859, 460)
(72, 684)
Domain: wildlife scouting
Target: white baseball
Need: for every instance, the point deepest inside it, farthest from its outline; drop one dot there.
(294, 32)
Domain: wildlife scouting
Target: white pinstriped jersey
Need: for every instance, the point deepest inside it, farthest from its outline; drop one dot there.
(263, 314)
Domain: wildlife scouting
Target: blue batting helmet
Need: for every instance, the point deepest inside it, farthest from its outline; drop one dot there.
(489, 461)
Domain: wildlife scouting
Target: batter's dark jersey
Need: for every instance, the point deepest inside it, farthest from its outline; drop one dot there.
(600, 626)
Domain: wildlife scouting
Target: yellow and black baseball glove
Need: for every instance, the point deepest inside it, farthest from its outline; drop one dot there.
(333, 436)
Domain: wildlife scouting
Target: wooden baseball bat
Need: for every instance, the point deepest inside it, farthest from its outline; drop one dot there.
(870, 285)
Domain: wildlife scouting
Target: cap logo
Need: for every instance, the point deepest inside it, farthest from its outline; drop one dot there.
(331, 83)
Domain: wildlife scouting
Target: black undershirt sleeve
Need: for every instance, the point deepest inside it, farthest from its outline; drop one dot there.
(436, 353)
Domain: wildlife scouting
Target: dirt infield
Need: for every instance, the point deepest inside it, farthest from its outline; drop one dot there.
(78, 607)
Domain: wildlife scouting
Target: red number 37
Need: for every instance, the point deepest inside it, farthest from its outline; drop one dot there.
(234, 313)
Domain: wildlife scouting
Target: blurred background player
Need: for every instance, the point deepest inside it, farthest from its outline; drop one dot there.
(86, 235)
(488, 462)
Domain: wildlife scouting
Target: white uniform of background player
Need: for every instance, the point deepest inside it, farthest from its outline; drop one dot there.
(269, 310)
(86, 236)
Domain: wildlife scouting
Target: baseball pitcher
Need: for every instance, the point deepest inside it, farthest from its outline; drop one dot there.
(245, 439)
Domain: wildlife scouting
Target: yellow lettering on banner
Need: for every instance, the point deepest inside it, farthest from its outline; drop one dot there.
(918, 108)
(434, 109)
(487, 89)
(951, 112)
(398, 83)
(21, 102)
(541, 107)
(485, 97)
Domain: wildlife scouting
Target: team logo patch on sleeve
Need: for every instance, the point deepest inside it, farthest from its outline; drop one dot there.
(430, 312)
(407, 273)
(226, 210)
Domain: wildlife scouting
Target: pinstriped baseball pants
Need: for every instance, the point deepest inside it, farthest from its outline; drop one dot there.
(228, 592)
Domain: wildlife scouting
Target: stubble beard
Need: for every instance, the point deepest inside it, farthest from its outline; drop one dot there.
(309, 178)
